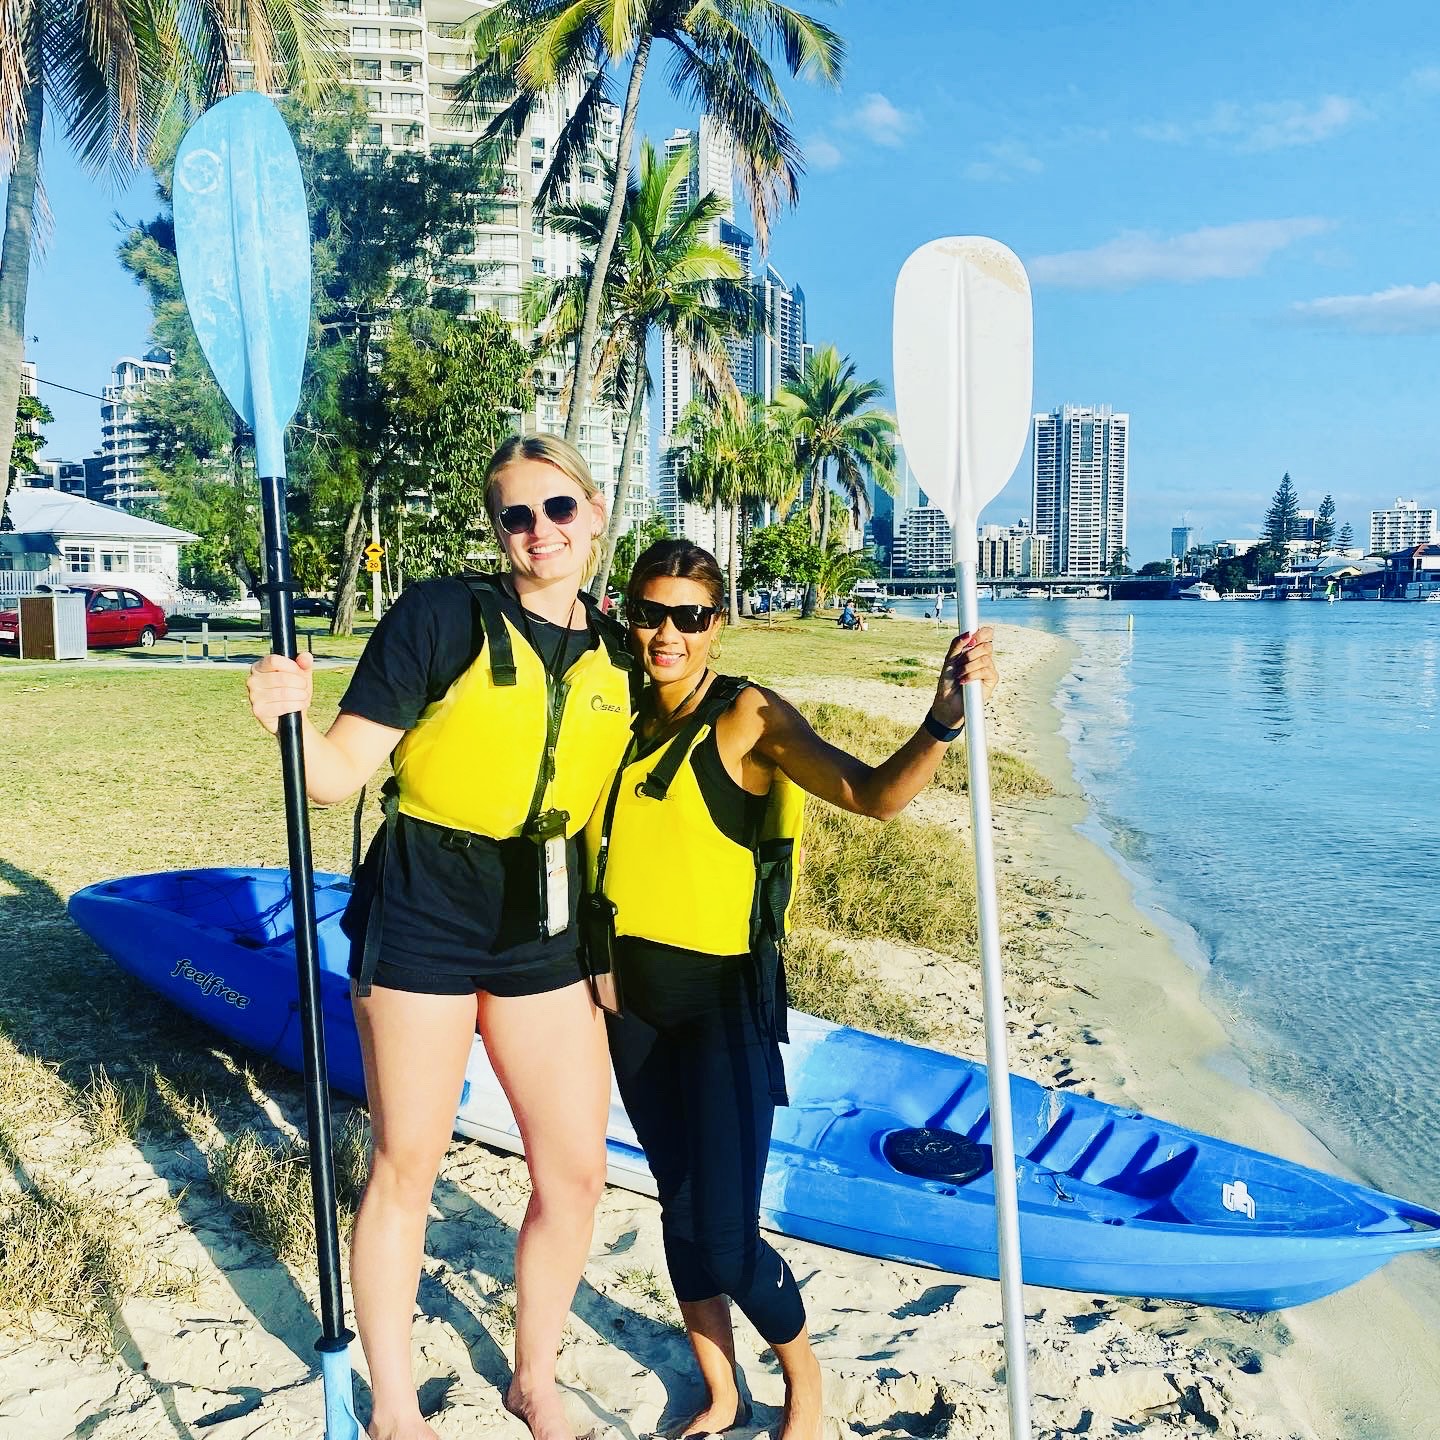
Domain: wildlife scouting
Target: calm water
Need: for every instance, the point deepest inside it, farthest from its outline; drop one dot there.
(1271, 775)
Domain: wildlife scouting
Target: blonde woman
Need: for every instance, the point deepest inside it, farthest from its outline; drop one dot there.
(503, 703)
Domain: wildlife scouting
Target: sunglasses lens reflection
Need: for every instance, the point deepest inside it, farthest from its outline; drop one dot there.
(520, 519)
(688, 619)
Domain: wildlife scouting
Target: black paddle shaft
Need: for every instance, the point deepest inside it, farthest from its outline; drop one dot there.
(279, 587)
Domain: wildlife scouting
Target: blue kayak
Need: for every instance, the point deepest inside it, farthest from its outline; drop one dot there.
(884, 1149)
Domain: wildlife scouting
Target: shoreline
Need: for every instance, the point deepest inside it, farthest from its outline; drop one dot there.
(1142, 996)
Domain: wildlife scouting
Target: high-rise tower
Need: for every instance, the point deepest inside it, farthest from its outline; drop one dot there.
(407, 58)
(1080, 475)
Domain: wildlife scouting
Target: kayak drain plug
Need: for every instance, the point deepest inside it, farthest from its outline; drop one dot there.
(934, 1154)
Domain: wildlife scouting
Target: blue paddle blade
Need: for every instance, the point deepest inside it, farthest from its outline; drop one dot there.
(242, 236)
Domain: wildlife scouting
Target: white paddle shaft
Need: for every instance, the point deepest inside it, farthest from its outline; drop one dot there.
(997, 1060)
(963, 376)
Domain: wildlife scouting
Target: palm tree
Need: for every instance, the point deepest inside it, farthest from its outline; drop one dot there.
(666, 274)
(736, 456)
(113, 71)
(836, 427)
(839, 571)
(529, 50)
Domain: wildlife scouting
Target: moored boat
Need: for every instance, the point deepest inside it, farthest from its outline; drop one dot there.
(884, 1150)
(1200, 590)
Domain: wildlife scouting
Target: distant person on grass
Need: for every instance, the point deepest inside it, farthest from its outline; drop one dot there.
(704, 813)
(464, 908)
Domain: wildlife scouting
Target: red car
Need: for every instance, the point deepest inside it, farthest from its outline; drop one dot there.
(114, 615)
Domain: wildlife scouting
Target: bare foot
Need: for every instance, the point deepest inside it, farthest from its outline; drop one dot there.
(540, 1411)
(410, 1428)
(720, 1414)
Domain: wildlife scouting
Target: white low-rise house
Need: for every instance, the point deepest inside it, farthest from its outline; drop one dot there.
(97, 544)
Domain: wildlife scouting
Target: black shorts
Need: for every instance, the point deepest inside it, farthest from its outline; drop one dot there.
(458, 915)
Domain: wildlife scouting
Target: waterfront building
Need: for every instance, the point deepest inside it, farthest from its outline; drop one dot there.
(1182, 542)
(124, 441)
(1402, 525)
(879, 530)
(1080, 485)
(1413, 573)
(407, 59)
(1012, 550)
(683, 518)
(924, 543)
(66, 476)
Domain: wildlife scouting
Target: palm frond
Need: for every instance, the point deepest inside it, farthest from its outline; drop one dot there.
(575, 139)
(808, 47)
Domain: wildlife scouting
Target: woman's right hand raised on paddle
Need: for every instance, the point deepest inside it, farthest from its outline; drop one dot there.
(280, 686)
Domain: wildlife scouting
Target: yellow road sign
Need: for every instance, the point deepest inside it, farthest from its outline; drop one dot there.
(373, 551)
(372, 564)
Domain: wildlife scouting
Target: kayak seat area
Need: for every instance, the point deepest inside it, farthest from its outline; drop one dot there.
(1115, 1154)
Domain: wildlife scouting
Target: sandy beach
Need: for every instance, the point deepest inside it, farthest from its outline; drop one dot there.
(1100, 998)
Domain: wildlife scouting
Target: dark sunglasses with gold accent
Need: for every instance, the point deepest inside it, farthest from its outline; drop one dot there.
(687, 619)
(520, 519)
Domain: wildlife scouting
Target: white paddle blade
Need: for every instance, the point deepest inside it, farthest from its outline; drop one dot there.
(963, 366)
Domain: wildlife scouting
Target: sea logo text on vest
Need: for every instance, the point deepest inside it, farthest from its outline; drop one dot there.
(598, 703)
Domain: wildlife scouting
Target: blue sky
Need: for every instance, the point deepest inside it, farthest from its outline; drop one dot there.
(1228, 213)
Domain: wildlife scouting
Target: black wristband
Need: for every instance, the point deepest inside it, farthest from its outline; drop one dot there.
(937, 731)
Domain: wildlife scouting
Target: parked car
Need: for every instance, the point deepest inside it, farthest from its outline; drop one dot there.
(321, 605)
(114, 615)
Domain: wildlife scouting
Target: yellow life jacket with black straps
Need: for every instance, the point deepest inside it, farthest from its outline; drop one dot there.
(508, 741)
(655, 852)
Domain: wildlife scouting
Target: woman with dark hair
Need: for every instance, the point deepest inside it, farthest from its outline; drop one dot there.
(689, 862)
(503, 703)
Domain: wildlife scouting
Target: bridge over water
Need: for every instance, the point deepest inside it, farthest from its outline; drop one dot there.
(1052, 587)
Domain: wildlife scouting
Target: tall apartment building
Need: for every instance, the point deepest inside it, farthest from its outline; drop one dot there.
(711, 172)
(123, 444)
(1182, 541)
(1404, 524)
(1012, 550)
(779, 346)
(407, 58)
(924, 542)
(1080, 482)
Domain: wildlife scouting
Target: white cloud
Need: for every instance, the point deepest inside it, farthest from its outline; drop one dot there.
(880, 121)
(1004, 160)
(1273, 125)
(1426, 79)
(1400, 310)
(1136, 257)
(822, 154)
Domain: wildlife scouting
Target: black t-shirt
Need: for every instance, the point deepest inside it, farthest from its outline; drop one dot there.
(449, 899)
(430, 637)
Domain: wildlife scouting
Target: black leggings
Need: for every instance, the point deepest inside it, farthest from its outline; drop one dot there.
(692, 1071)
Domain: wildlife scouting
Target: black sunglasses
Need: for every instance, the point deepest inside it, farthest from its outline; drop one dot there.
(687, 619)
(520, 519)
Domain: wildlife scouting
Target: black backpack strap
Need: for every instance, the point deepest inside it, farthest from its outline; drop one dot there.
(718, 699)
(497, 634)
(613, 635)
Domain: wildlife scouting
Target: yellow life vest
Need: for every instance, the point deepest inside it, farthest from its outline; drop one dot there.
(506, 741)
(655, 852)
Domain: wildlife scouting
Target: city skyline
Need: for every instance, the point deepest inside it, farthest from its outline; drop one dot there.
(1261, 249)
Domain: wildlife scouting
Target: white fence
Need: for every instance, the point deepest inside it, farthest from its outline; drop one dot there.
(15, 583)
